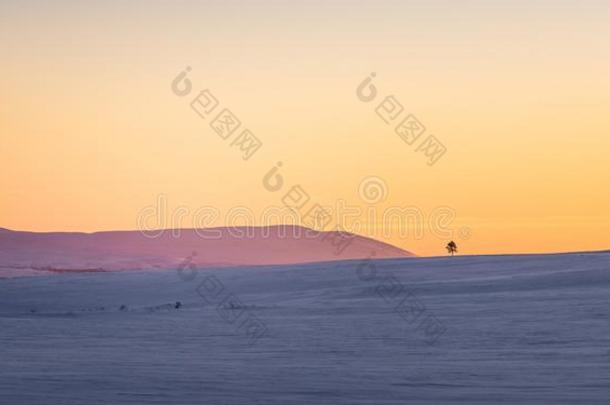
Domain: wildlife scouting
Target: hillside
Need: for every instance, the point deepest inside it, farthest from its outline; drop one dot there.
(32, 253)
(514, 329)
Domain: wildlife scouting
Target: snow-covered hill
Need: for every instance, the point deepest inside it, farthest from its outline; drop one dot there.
(36, 253)
(486, 329)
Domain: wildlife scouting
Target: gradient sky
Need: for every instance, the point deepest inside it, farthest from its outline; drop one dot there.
(518, 91)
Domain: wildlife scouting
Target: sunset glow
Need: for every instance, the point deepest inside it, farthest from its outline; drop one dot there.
(91, 132)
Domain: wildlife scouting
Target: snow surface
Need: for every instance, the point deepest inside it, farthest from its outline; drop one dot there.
(517, 329)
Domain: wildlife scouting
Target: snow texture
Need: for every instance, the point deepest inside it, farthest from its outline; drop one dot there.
(505, 329)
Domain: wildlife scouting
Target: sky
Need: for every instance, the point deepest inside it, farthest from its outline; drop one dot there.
(92, 134)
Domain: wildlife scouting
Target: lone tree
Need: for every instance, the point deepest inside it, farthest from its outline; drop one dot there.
(451, 247)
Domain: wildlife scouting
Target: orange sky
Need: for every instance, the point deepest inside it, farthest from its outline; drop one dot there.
(91, 132)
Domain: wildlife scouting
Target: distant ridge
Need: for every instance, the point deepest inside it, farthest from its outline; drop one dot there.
(60, 252)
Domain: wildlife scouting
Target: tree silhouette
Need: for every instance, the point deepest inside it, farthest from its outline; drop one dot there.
(451, 247)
